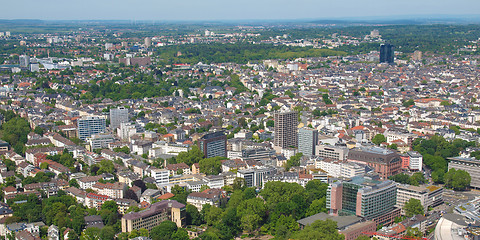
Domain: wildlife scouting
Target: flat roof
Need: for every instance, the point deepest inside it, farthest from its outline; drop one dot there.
(342, 221)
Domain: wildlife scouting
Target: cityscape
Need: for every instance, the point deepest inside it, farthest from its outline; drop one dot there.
(350, 129)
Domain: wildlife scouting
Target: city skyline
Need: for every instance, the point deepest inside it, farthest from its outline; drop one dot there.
(213, 10)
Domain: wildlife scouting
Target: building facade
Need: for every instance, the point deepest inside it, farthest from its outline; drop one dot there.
(384, 162)
(470, 165)
(87, 126)
(213, 145)
(307, 141)
(154, 215)
(387, 53)
(286, 134)
(117, 116)
(365, 197)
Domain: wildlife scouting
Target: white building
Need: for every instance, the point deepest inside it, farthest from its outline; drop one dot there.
(100, 140)
(416, 161)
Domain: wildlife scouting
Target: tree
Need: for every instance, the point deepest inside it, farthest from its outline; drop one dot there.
(106, 166)
(378, 139)
(317, 206)
(91, 233)
(107, 232)
(319, 230)
(110, 205)
(193, 216)
(194, 155)
(413, 207)
(408, 103)
(43, 165)
(180, 234)
(457, 179)
(74, 183)
(211, 166)
(163, 231)
(239, 183)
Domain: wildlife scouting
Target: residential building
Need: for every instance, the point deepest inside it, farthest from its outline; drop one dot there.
(307, 141)
(87, 126)
(100, 140)
(286, 134)
(117, 116)
(154, 215)
(213, 144)
(212, 196)
(161, 176)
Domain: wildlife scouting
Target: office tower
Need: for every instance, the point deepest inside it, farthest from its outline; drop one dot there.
(213, 144)
(386, 53)
(307, 140)
(87, 126)
(285, 129)
(117, 116)
(24, 60)
(364, 196)
(148, 42)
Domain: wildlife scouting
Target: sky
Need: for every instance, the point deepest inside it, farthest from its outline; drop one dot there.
(188, 10)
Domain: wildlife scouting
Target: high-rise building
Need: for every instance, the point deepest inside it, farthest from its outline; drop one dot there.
(286, 134)
(117, 116)
(148, 42)
(417, 55)
(307, 140)
(213, 144)
(364, 196)
(387, 53)
(24, 60)
(87, 126)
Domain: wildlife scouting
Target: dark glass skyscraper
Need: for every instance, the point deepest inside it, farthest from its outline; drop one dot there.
(386, 53)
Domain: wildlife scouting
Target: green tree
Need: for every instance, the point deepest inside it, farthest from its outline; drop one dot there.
(193, 217)
(457, 179)
(163, 231)
(107, 232)
(319, 230)
(378, 139)
(91, 233)
(194, 155)
(413, 207)
(211, 166)
(317, 206)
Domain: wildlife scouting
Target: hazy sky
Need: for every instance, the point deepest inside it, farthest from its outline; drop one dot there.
(228, 10)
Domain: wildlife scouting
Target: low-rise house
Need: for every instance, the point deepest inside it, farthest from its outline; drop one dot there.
(150, 194)
(88, 182)
(113, 190)
(78, 194)
(94, 200)
(214, 197)
(179, 168)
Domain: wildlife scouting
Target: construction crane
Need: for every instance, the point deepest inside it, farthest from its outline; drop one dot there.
(394, 236)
